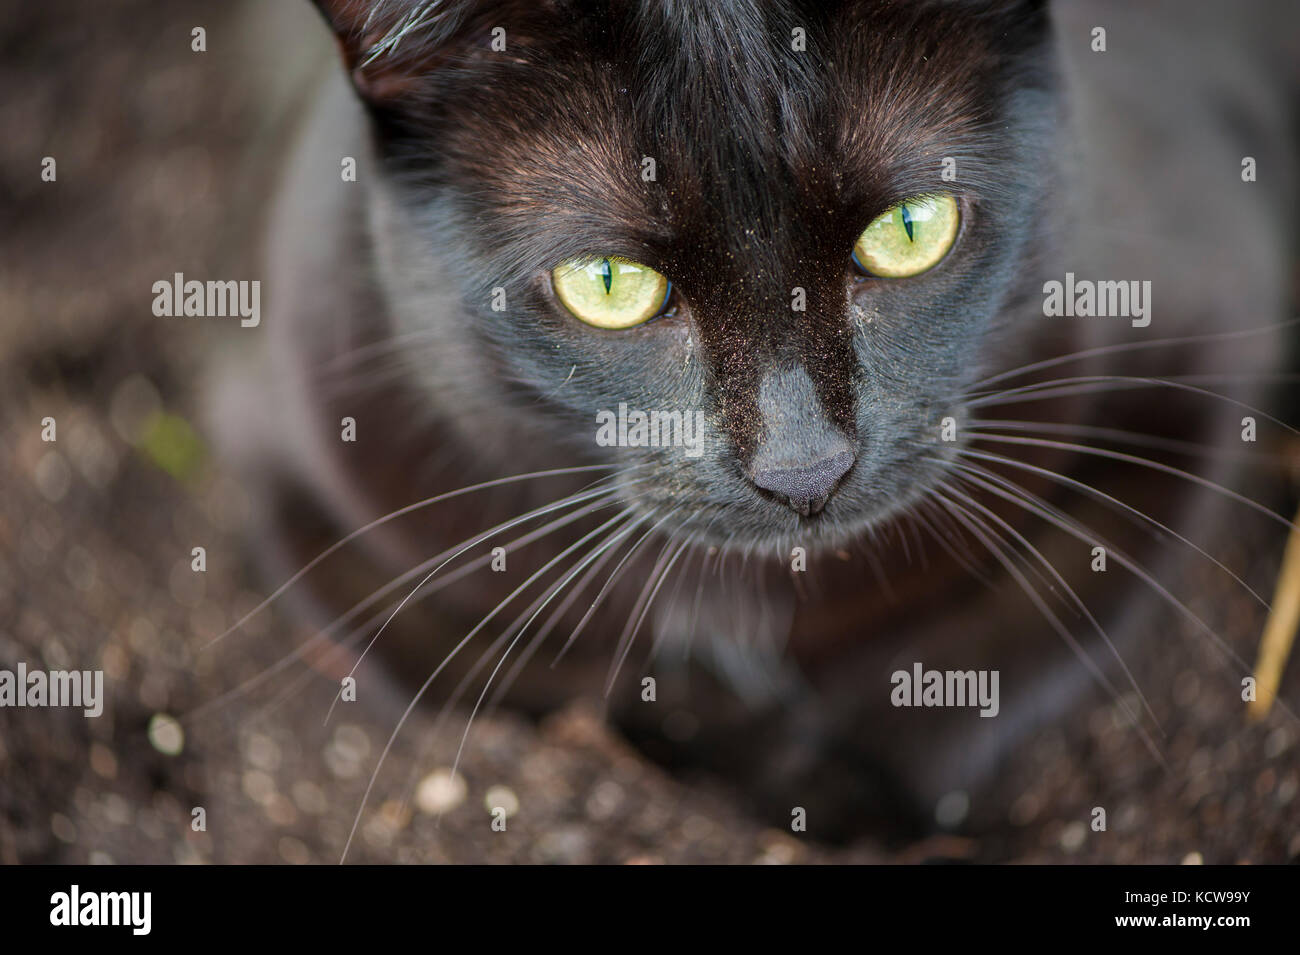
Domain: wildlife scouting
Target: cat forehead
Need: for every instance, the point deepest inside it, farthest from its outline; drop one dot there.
(625, 127)
(718, 94)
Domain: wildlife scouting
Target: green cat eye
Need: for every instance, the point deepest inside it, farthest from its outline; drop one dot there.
(909, 238)
(610, 293)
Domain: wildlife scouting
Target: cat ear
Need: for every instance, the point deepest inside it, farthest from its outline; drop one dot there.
(388, 44)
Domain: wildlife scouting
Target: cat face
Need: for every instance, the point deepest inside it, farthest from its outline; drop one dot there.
(655, 207)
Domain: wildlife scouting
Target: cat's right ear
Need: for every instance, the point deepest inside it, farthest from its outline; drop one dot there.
(387, 45)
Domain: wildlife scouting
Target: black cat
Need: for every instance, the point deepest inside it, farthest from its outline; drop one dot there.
(825, 236)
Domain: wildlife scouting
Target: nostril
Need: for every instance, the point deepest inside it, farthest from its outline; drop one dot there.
(806, 489)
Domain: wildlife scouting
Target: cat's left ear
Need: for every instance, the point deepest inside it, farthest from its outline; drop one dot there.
(388, 44)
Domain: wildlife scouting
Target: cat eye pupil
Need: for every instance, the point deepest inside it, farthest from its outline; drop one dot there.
(586, 287)
(909, 238)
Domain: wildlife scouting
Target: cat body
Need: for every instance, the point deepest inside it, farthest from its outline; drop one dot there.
(414, 302)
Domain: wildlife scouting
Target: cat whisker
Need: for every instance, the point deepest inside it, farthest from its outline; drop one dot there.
(600, 504)
(323, 634)
(563, 608)
(428, 682)
(383, 348)
(1015, 494)
(1122, 347)
(581, 586)
(603, 501)
(1115, 504)
(965, 561)
(648, 593)
(391, 516)
(1135, 438)
(355, 635)
(901, 528)
(606, 550)
(689, 546)
(709, 553)
(982, 532)
(601, 548)
(1074, 598)
(1027, 565)
(1106, 385)
(1141, 462)
(1025, 394)
(599, 555)
(609, 583)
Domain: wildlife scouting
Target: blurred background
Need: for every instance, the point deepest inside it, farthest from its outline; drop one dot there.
(165, 161)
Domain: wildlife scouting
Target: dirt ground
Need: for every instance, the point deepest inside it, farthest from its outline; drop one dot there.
(161, 167)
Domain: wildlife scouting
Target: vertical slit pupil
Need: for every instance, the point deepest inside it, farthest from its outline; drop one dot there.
(607, 274)
(907, 221)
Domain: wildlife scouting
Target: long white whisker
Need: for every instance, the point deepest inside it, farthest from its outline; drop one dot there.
(1141, 462)
(424, 687)
(600, 548)
(600, 503)
(1054, 516)
(575, 593)
(1029, 393)
(659, 579)
(321, 635)
(973, 524)
(1136, 438)
(609, 583)
(400, 512)
(1120, 347)
(1114, 501)
(1078, 602)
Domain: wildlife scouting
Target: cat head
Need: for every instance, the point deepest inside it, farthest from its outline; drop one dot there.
(801, 226)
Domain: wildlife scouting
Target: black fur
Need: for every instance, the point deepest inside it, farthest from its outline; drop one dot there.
(486, 168)
(769, 163)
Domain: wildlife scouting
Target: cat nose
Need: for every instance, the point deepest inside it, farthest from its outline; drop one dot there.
(801, 454)
(806, 489)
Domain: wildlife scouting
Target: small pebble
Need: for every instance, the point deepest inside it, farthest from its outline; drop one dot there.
(501, 797)
(166, 735)
(951, 809)
(1072, 836)
(63, 828)
(102, 761)
(441, 791)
